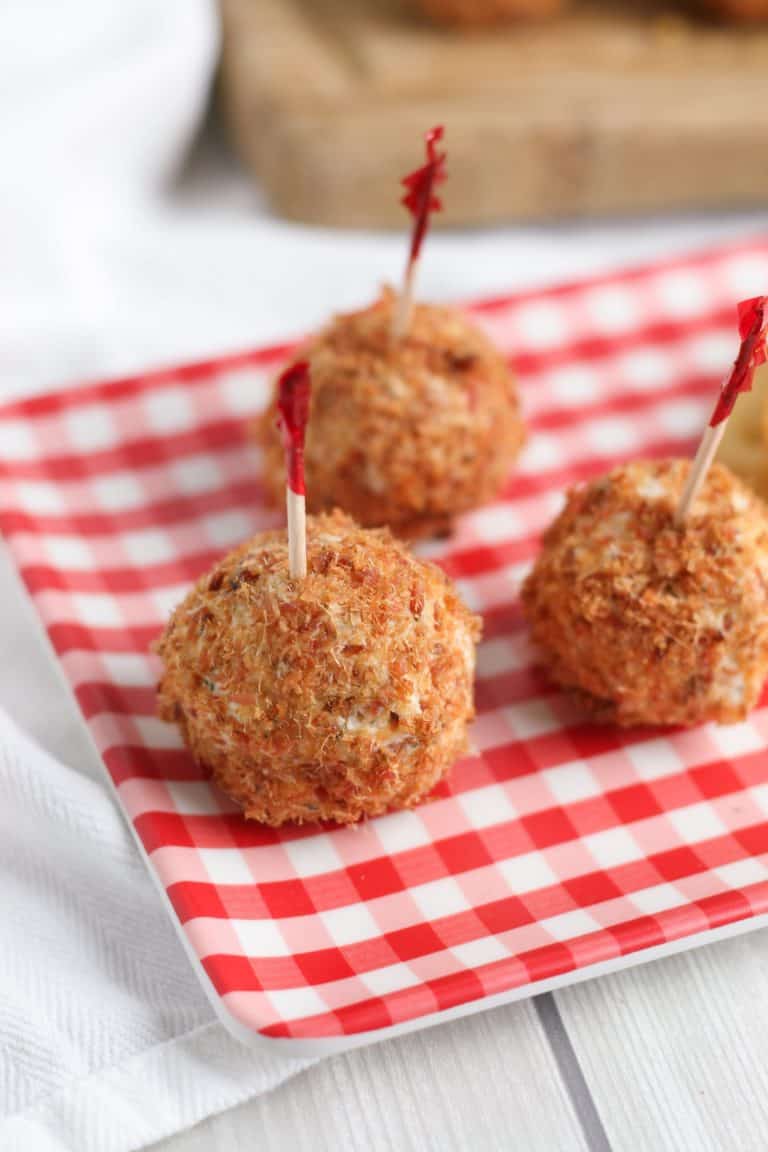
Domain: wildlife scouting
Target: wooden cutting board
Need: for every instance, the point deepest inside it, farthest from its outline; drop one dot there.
(614, 108)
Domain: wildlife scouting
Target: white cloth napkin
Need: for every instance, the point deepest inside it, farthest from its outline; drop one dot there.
(99, 100)
(107, 1042)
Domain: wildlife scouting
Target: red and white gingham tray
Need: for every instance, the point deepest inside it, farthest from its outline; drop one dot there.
(555, 850)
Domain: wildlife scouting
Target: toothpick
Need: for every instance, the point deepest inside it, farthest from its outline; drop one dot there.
(401, 316)
(293, 404)
(420, 200)
(702, 461)
(296, 510)
(753, 329)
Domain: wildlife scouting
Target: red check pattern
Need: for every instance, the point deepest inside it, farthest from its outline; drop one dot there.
(552, 847)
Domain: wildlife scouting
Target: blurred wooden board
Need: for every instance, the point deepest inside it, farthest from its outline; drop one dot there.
(613, 108)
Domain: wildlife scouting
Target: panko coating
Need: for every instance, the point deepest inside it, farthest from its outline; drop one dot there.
(648, 622)
(333, 697)
(406, 434)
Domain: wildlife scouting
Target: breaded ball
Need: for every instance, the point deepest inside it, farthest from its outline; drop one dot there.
(651, 623)
(407, 434)
(328, 698)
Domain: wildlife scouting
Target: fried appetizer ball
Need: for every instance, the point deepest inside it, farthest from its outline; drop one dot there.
(328, 698)
(648, 622)
(406, 435)
(475, 13)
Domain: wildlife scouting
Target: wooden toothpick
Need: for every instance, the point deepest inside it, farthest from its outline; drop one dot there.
(753, 329)
(293, 404)
(702, 462)
(420, 200)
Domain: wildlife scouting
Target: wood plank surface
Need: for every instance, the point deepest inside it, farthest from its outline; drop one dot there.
(676, 1053)
(488, 1082)
(609, 109)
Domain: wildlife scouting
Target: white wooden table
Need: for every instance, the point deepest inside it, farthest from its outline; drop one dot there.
(668, 1056)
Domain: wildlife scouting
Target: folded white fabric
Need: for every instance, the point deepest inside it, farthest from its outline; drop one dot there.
(107, 1041)
(100, 99)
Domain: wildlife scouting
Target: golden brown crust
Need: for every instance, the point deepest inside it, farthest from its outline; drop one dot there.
(406, 436)
(652, 624)
(329, 698)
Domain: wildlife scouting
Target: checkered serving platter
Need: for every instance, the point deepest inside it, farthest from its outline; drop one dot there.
(555, 849)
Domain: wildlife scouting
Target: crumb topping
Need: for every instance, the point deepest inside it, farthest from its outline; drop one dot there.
(653, 623)
(329, 697)
(407, 434)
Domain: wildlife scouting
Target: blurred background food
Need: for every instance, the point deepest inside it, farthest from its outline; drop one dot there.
(472, 13)
(604, 109)
(738, 9)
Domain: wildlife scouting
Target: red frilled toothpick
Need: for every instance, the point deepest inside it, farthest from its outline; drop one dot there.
(753, 329)
(293, 405)
(420, 200)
